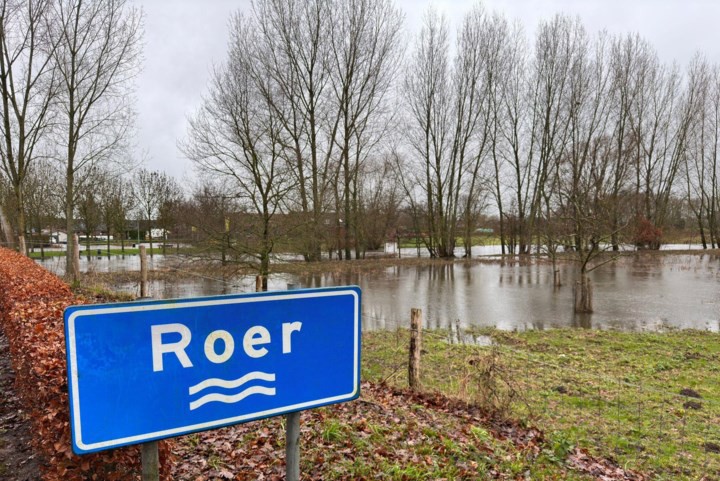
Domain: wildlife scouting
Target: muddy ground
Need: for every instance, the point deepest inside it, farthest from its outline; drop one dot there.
(17, 462)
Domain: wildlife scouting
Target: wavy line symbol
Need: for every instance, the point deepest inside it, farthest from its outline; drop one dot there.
(231, 384)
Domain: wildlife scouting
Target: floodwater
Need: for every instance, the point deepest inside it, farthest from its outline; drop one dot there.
(644, 292)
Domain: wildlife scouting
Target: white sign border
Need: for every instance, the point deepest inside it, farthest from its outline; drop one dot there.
(180, 304)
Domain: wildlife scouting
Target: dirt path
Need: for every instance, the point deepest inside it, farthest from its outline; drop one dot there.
(17, 462)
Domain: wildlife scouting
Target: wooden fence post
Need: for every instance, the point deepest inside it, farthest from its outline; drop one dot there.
(144, 291)
(415, 347)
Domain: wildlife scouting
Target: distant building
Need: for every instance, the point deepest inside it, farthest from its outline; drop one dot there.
(158, 233)
(58, 237)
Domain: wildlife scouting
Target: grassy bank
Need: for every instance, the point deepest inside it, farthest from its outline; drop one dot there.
(388, 435)
(555, 405)
(650, 401)
(479, 240)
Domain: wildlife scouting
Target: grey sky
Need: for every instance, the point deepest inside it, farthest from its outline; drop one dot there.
(184, 38)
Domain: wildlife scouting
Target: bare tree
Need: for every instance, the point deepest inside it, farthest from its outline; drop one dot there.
(121, 205)
(701, 162)
(579, 195)
(97, 57)
(239, 136)
(42, 200)
(27, 88)
(90, 213)
(506, 69)
(661, 118)
(295, 54)
(151, 189)
(517, 146)
(560, 50)
(379, 203)
(215, 220)
(115, 203)
(586, 165)
(169, 212)
(628, 58)
(363, 59)
(322, 70)
(712, 155)
(428, 99)
(448, 124)
(486, 36)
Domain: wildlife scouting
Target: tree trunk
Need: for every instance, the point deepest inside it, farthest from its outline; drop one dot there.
(701, 227)
(70, 271)
(76, 258)
(583, 294)
(264, 270)
(6, 229)
(338, 240)
(266, 249)
(22, 227)
(22, 246)
(346, 204)
(502, 234)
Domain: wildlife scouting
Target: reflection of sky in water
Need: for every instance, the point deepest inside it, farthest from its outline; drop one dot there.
(634, 293)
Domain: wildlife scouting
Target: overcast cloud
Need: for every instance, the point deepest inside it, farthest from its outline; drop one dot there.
(184, 38)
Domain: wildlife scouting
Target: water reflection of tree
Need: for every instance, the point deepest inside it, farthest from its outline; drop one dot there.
(582, 320)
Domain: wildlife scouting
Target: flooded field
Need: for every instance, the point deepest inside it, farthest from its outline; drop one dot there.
(643, 292)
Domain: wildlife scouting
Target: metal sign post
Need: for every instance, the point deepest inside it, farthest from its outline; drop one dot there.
(292, 447)
(148, 370)
(149, 456)
(150, 461)
(292, 438)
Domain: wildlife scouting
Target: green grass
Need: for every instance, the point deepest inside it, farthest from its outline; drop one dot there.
(384, 435)
(479, 240)
(615, 394)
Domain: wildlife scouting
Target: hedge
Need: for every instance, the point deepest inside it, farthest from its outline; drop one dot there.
(32, 301)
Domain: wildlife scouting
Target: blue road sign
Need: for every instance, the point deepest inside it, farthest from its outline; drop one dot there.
(154, 369)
